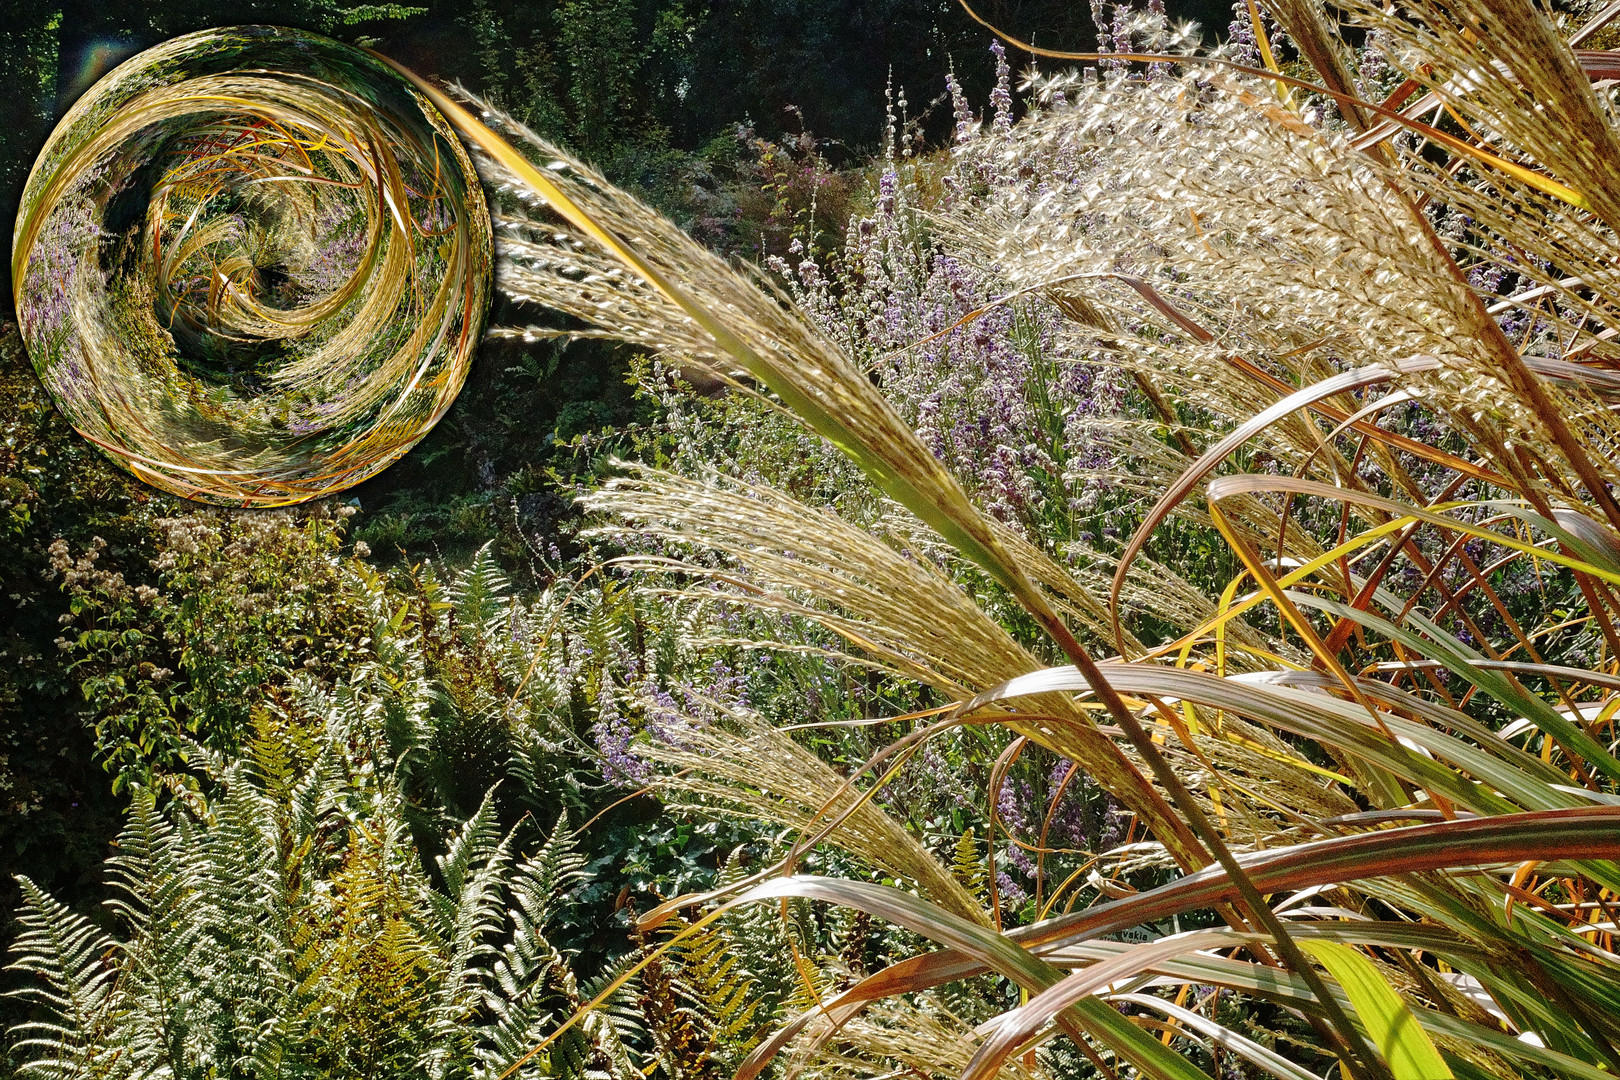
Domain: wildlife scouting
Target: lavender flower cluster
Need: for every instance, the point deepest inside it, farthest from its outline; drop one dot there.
(971, 368)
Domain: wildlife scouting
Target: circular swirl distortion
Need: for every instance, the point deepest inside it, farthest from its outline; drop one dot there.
(252, 265)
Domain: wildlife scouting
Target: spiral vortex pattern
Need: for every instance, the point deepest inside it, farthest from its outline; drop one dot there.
(252, 265)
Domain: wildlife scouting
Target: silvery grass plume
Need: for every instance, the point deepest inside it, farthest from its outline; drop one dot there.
(1271, 272)
(608, 260)
(1230, 235)
(894, 607)
(925, 1036)
(819, 384)
(744, 763)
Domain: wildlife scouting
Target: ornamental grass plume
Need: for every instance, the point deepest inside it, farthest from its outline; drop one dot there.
(1372, 345)
(606, 259)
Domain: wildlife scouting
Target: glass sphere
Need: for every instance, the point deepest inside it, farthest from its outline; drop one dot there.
(252, 265)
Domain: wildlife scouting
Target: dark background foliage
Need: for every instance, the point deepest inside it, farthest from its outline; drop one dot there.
(632, 85)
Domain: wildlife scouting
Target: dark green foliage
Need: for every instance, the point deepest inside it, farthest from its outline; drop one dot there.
(336, 884)
(58, 810)
(529, 425)
(29, 52)
(242, 602)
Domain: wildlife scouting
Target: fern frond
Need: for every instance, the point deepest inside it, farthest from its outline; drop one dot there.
(311, 793)
(968, 865)
(534, 989)
(70, 959)
(478, 591)
(174, 971)
(144, 873)
(473, 845)
(549, 873)
(711, 977)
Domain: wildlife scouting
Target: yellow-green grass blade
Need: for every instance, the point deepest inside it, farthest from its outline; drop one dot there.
(930, 970)
(1389, 1020)
(1591, 832)
(1285, 988)
(1250, 484)
(1211, 459)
